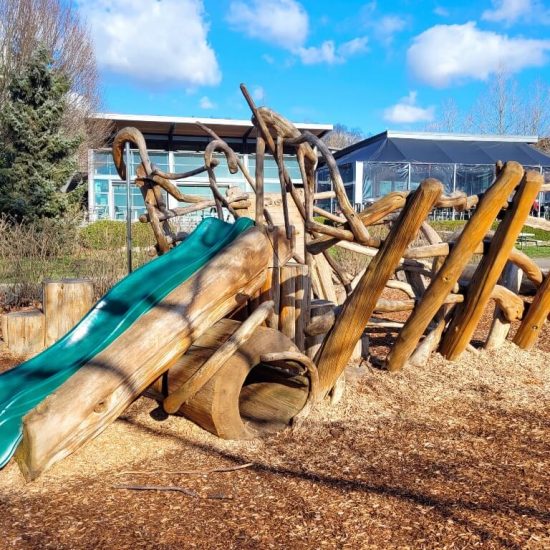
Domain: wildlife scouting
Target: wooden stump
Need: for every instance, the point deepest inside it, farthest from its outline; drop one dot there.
(23, 331)
(65, 302)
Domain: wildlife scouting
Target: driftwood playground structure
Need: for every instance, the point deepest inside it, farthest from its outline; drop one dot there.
(237, 326)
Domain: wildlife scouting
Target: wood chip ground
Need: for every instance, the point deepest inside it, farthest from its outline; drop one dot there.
(454, 455)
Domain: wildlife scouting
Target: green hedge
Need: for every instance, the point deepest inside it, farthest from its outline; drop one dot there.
(110, 234)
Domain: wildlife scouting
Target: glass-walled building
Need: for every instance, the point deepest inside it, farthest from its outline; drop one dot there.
(176, 144)
(399, 161)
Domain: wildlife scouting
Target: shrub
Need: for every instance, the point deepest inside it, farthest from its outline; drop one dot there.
(110, 235)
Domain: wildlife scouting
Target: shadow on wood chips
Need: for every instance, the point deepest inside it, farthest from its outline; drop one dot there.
(453, 455)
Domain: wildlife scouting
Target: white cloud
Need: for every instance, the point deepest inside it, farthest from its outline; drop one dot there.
(258, 93)
(447, 53)
(331, 54)
(284, 23)
(268, 58)
(206, 103)
(507, 10)
(511, 11)
(153, 42)
(387, 27)
(406, 111)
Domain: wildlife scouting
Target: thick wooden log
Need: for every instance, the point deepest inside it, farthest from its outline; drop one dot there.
(24, 332)
(201, 377)
(245, 398)
(478, 294)
(511, 305)
(65, 302)
(358, 308)
(536, 316)
(511, 279)
(444, 280)
(102, 388)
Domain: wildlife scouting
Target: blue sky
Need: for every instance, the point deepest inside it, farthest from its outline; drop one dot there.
(371, 65)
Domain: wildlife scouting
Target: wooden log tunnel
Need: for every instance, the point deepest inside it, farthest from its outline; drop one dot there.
(246, 397)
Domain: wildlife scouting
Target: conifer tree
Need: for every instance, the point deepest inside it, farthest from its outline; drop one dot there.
(36, 157)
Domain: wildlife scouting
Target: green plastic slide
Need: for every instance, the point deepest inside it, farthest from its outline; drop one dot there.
(25, 386)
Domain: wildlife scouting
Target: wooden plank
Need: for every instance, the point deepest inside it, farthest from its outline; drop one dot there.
(359, 306)
(444, 280)
(324, 276)
(536, 316)
(467, 315)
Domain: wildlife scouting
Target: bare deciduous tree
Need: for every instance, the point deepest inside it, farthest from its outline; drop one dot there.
(342, 136)
(24, 25)
(502, 108)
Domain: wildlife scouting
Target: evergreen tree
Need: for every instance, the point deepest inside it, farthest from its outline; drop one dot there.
(36, 158)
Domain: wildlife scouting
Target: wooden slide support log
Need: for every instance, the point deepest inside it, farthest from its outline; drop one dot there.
(445, 279)
(536, 316)
(102, 388)
(500, 327)
(4, 328)
(245, 398)
(467, 315)
(24, 332)
(65, 302)
(201, 377)
(359, 306)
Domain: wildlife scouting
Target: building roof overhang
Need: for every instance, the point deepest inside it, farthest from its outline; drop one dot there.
(186, 126)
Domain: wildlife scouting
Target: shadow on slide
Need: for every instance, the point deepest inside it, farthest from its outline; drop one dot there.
(25, 386)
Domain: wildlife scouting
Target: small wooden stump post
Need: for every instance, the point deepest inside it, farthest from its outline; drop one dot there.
(65, 302)
(23, 331)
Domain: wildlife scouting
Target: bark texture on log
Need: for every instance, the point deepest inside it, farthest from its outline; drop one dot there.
(444, 280)
(358, 308)
(98, 393)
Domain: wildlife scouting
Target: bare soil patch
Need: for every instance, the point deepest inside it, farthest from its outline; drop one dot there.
(455, 455)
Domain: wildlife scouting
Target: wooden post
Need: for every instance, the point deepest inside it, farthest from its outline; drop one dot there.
(530, 327)
(301, 303)
(467, 315)
(359, 306)
(65, 302)
(321, 321)
(24, 331)
(444, 280)
(500, 328)
(287, 319)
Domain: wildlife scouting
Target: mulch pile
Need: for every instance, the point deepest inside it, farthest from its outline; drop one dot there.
(453, 455)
